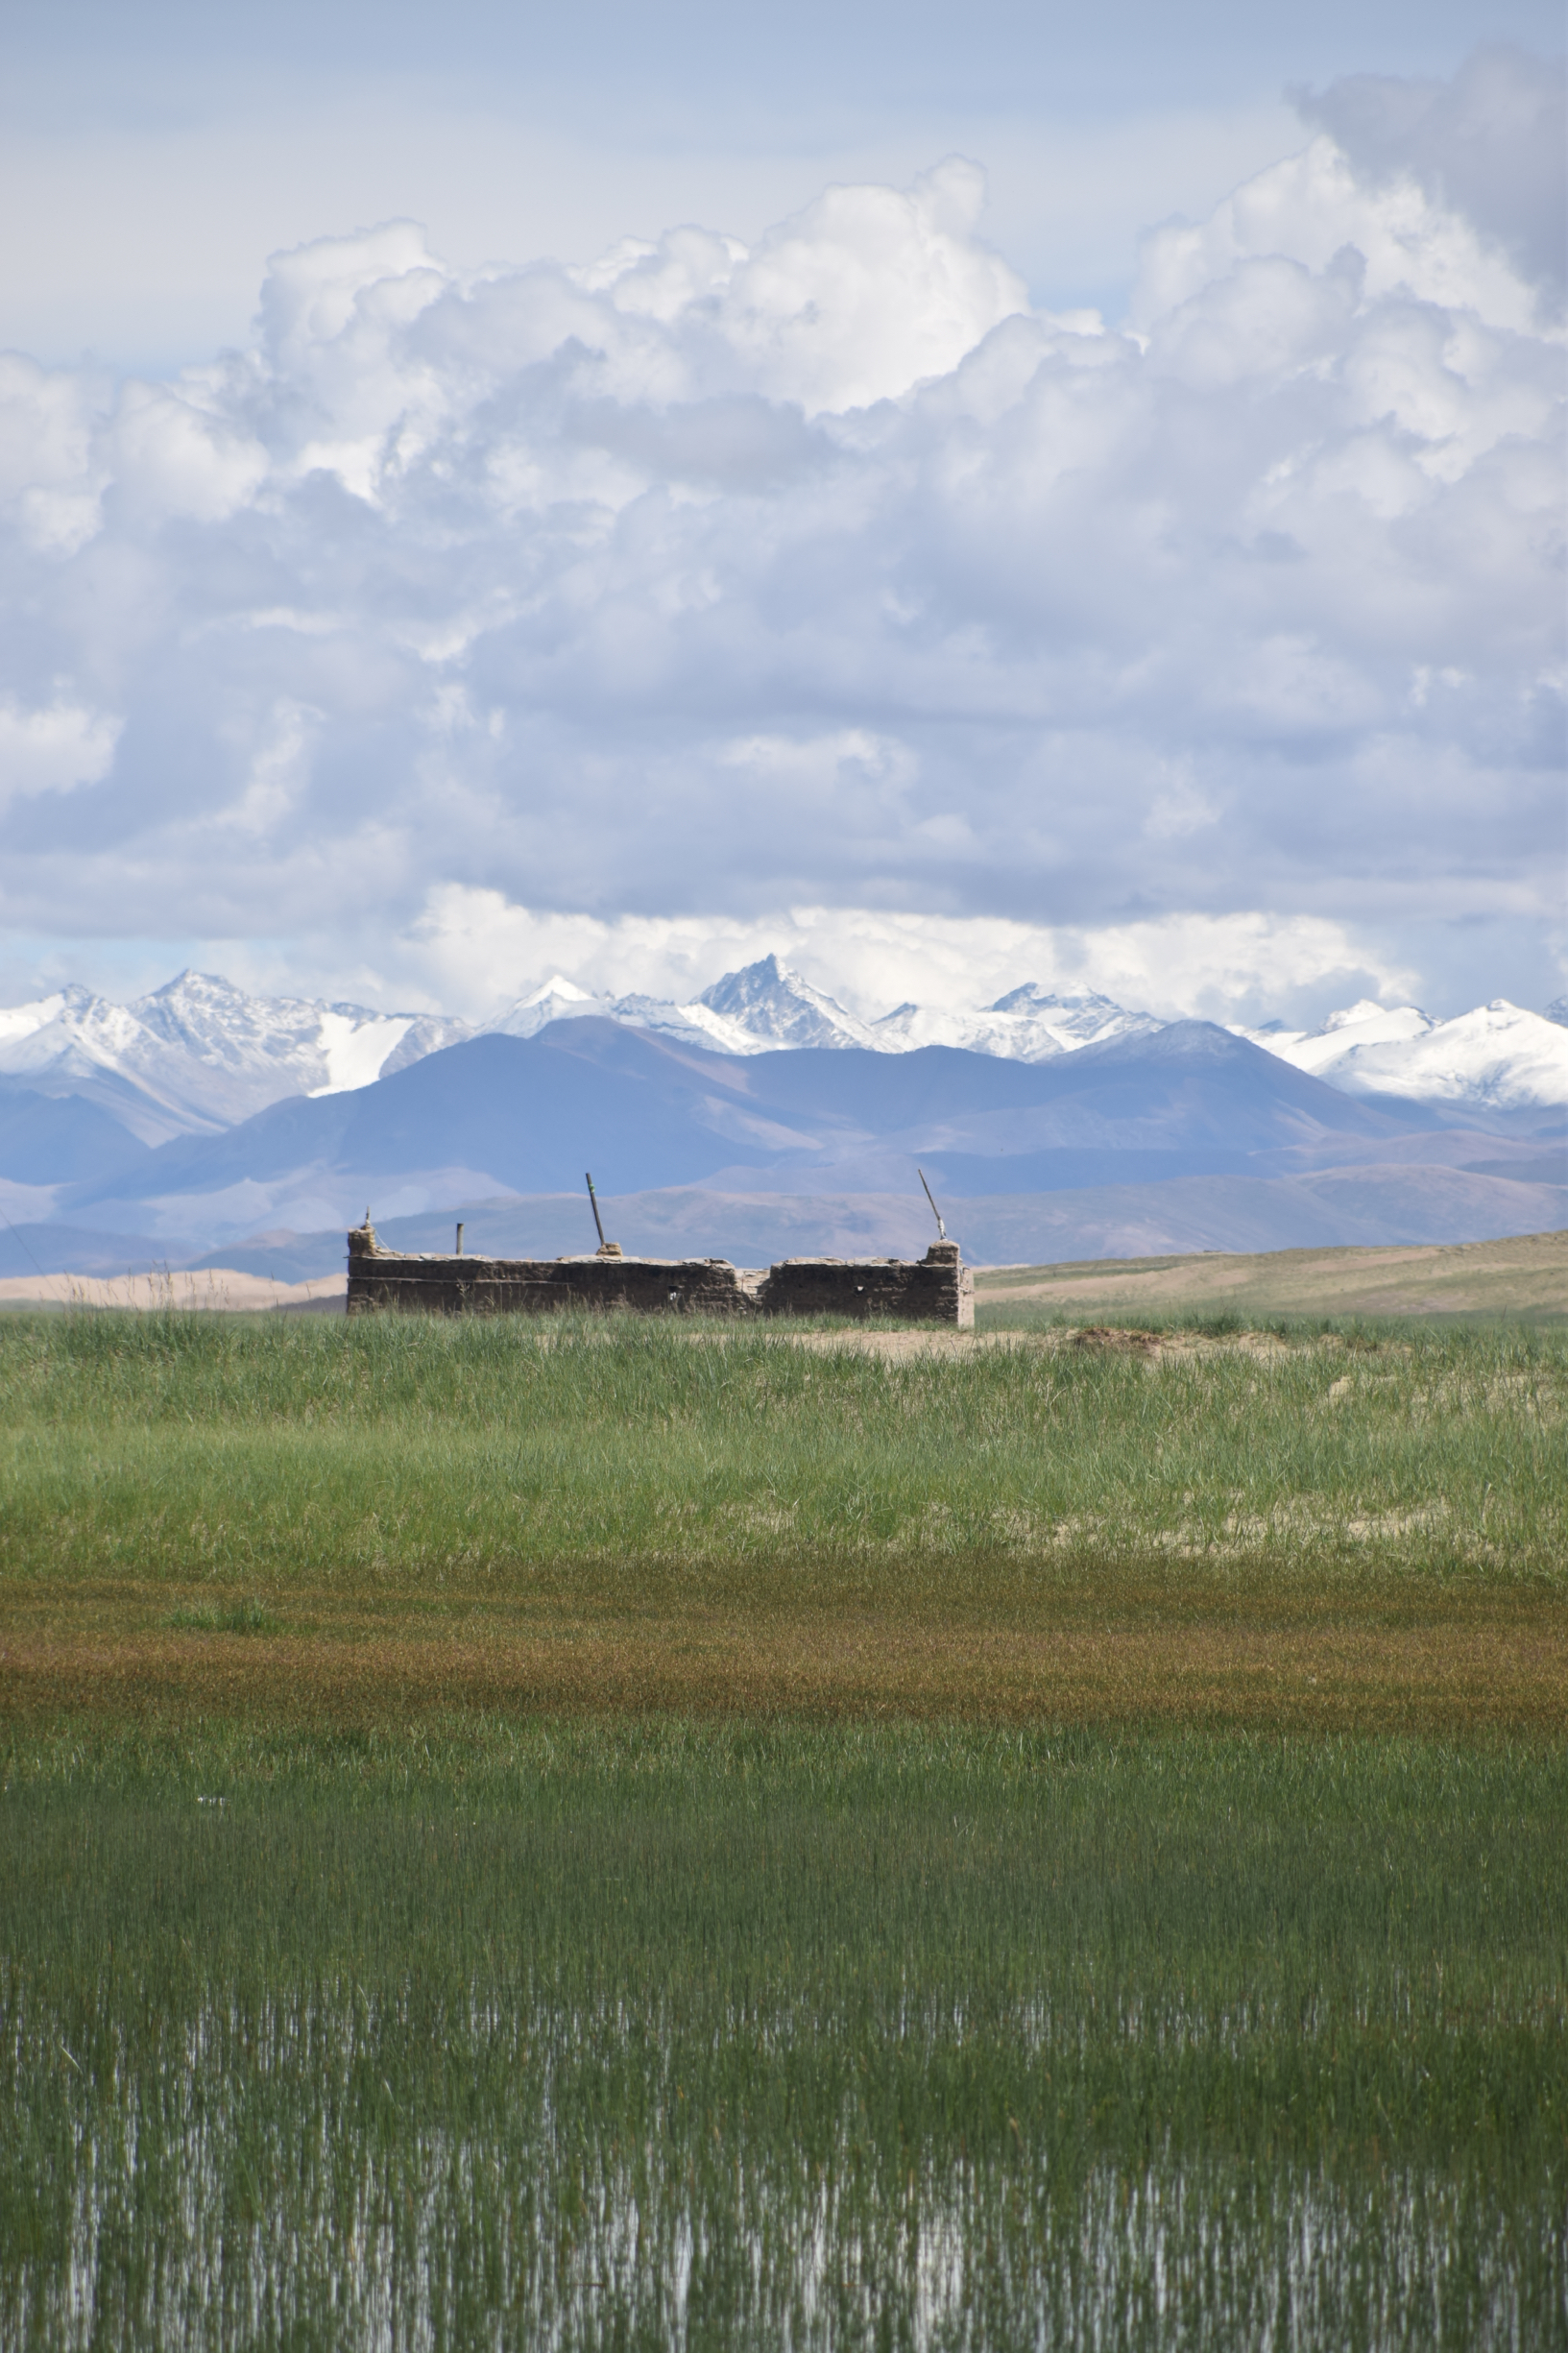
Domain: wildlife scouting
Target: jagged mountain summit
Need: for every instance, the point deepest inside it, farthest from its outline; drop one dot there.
(200, 1054)
(562, 1000)
(767, 1005)
(779, 1007)
(759, 1010)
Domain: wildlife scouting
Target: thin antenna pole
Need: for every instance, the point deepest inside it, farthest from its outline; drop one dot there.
(593, 1204)
(37, 1270)
(935, 1212)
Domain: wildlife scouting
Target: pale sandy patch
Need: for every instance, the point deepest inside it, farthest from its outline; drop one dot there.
(214, 1289)
(1151, 1349)
(899, 1343)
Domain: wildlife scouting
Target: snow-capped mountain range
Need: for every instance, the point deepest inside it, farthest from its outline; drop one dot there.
(766, 1006)
(200, 1054)
(1498, 1058)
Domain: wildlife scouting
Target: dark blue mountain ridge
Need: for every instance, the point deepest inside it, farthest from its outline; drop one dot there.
(644, 1112)
(28, 1249)
(47, 1138)
(521, 1108)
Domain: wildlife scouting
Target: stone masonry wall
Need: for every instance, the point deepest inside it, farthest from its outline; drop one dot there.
(937, 1288)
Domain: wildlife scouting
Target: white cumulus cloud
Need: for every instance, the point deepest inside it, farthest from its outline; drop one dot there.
(715, 579)
(52, 749)
(479, 952)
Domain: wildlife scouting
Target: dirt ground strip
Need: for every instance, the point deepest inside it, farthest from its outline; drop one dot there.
(1151, 1348)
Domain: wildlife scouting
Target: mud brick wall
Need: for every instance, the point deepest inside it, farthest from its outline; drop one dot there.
(935, 1289)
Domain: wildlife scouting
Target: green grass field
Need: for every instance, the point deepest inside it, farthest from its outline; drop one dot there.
(642, 1836)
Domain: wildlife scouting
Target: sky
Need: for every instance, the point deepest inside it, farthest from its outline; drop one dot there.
(953, 497)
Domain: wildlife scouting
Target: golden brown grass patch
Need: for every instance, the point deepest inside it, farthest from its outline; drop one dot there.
(1441, 1661)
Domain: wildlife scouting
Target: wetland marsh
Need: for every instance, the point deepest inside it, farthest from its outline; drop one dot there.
(635, 1836)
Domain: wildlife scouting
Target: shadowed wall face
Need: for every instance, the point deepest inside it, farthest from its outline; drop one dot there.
(938, 1289)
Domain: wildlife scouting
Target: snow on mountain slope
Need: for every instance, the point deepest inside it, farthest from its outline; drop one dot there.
(695, 1024)
(75, 1044)
(778, 1008)
(262, 1049)
(73, 1027)
(558, 1000)
(1498, 1058)
(767, 1005)
(561, 1000)
(1345, 1034)
(1027, 1024)
(202, 1054)
(755, 1011)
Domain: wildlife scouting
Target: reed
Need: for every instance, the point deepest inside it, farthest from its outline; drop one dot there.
(186, 1445)
(594, 2033)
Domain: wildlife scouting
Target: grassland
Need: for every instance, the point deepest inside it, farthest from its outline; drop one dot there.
(1523, 1278)
(1347, 1531)
(628, 1836)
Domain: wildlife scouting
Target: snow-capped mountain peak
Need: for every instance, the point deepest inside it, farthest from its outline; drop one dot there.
(556, 999)
(229, 1032)
(751, 1011)
(199, 1053)
(1370, 1020)
(75, 1042)
(249, 1041)
(1030, 998)
(778, 1006)
(1497, 1057)
(1343, 1038)
(767, 1005)
(20, 1024)
(1029, 1024)
(1082, 1018)
(21, 1021)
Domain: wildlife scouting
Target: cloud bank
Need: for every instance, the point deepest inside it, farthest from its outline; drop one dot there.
(711, 581)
